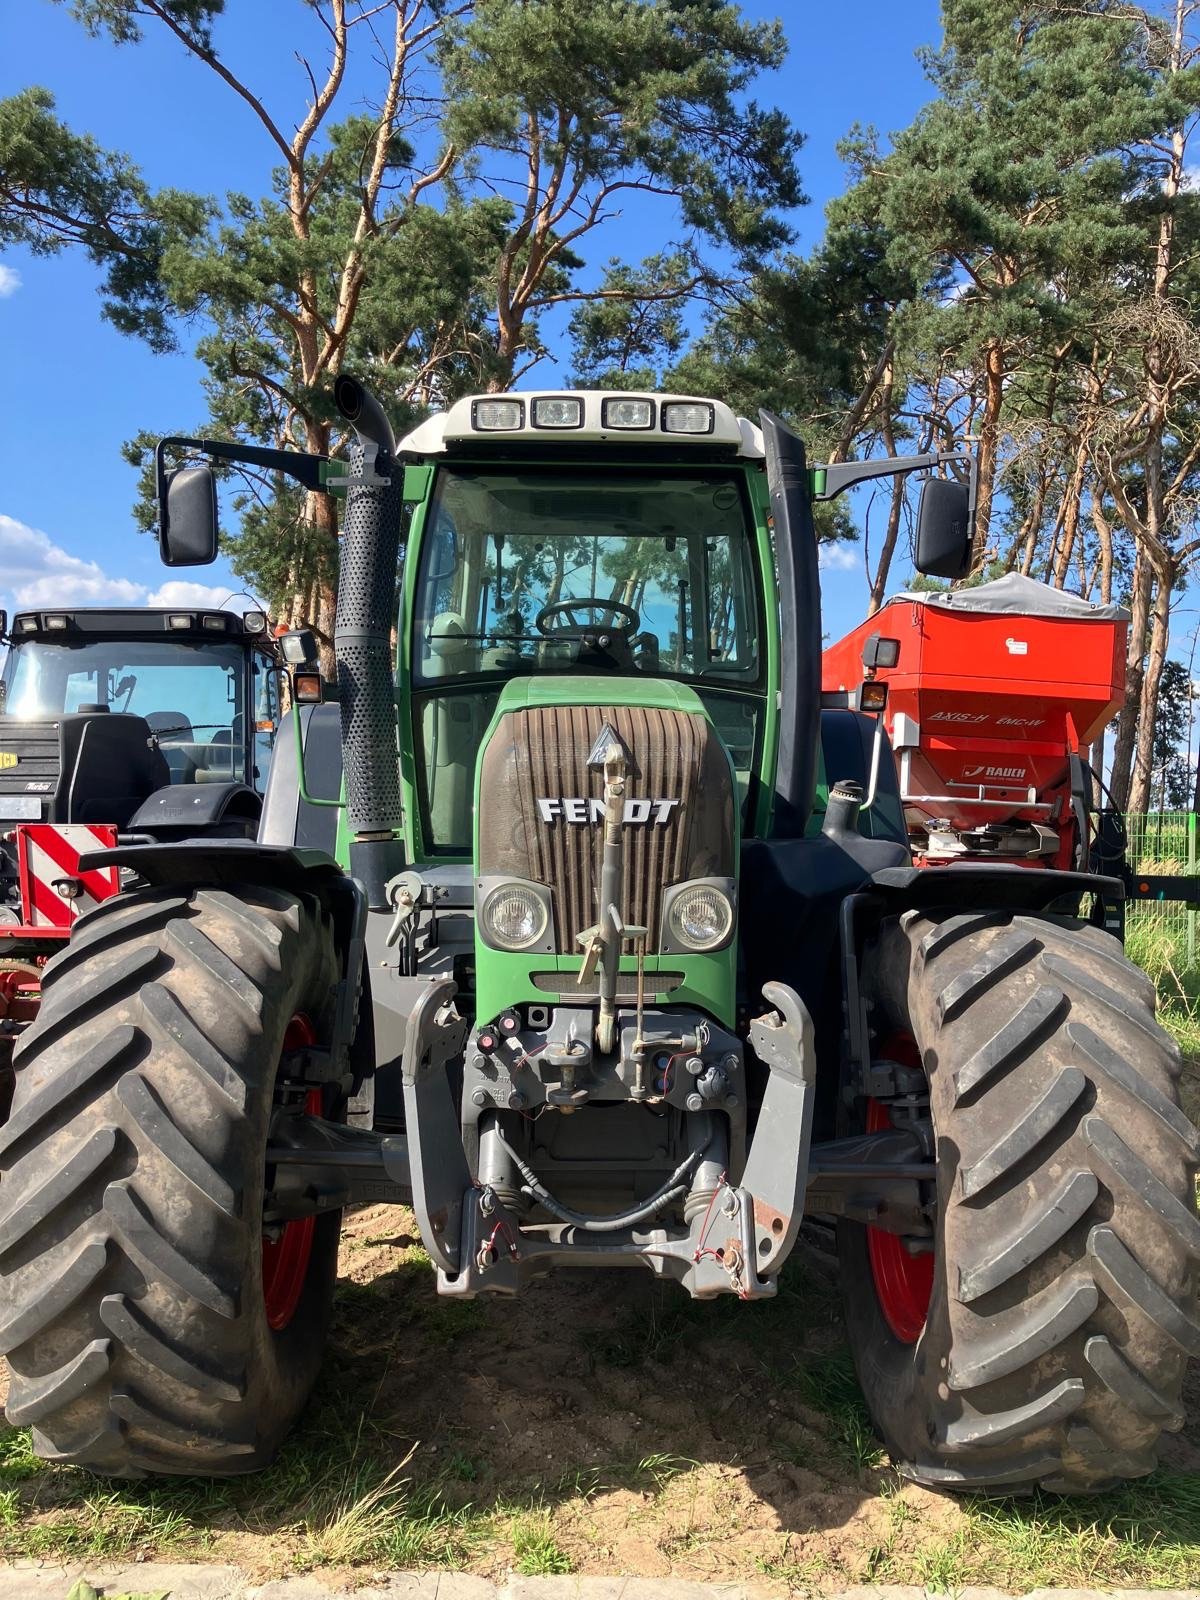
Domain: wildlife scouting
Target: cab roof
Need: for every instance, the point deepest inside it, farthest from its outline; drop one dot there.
(71, 624)
(602, 416)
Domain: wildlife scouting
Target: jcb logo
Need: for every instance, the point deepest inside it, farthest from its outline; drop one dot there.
(7, 760)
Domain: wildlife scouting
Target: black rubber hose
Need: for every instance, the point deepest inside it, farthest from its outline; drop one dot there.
(673, 1189)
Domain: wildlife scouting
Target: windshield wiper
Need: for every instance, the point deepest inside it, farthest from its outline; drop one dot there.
(189, 727)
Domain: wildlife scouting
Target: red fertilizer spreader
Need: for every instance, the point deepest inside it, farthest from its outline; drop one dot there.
(994, 695)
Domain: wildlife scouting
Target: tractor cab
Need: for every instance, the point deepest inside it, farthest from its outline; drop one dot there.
(609, 558)
(116, 724)
(203, 683)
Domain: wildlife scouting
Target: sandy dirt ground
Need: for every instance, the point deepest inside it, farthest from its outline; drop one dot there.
(652, 1436)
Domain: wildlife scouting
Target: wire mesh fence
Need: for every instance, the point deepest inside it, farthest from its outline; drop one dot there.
(1161, 935)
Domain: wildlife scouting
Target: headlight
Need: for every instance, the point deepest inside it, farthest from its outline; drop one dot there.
(701, 918)
(514, 917)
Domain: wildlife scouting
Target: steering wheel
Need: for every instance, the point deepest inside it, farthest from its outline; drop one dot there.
(609, 608)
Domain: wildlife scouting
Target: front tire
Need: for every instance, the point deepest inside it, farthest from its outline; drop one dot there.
(132, 1172)
(1062, 1305)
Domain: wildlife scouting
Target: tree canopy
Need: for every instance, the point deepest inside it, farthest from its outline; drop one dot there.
(1017, 266)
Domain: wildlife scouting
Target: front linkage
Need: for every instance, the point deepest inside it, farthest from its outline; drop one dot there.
(736, 1235)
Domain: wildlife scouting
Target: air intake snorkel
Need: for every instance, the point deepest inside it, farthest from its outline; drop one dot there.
(362, 641)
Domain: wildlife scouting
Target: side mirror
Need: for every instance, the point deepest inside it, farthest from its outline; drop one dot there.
(187, 518)
(945, 527)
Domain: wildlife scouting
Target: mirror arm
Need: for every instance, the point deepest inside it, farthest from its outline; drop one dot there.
(832, 480)
(300, 464)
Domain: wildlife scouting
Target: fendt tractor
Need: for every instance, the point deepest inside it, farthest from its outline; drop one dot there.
(114, 725)
(619, 958)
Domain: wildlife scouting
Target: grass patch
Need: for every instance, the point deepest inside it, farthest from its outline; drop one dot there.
(828, 1385)
(536, 1552)
(1143, 1535)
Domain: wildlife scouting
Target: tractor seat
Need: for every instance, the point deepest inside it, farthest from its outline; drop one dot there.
(107, 766)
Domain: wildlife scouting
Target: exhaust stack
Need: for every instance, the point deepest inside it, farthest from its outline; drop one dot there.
(362, 641)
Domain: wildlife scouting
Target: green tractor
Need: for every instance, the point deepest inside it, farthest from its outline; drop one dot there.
(607, 952)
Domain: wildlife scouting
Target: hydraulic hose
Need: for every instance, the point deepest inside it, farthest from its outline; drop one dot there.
(674, 1189)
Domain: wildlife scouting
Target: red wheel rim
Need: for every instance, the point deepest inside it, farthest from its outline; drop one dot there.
(285, 1260)
(903, 1282)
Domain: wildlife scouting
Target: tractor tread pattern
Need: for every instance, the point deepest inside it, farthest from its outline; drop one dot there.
(33, 1209)
(1130, 1387)
(999, 957)
(154, 1120)
(1061, 1324)
(87, 1077)
(1000, 1426)
(125, 1322)
(1034, 1125)
(67, 1383)
(1033, 1236)
(1013, 1042)
(132, 1316)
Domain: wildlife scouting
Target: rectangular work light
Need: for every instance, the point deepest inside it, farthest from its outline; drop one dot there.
(497, 416)
(179, 619)
(56, 622)
(632, 415)
(26, 625)
(688, 416)
(557, 411)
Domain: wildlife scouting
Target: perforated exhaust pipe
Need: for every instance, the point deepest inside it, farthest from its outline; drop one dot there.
(362, 637)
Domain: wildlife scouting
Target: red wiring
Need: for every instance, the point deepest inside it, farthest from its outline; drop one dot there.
(504, 1224)
(669, 1069)
(701, 1251)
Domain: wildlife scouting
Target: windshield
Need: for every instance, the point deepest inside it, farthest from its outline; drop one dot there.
(587, 570)
(192, 695)
(580, 570)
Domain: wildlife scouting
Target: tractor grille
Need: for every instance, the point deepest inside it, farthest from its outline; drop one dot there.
(542, 753)
(35, 746)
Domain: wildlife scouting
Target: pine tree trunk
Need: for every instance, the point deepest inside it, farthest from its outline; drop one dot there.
(1123, 749)
(989, 446)
(884, 565)
(1160, 628)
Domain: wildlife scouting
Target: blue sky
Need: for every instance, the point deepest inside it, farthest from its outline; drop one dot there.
(76, 389)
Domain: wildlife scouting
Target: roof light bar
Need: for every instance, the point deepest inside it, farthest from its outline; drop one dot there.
(688, 416)
(557, 411)
(632, 416)
(497, 416)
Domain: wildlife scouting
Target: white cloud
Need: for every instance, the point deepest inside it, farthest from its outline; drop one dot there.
(179, 592)
(10, 281)
(36, 572)
(840, 557)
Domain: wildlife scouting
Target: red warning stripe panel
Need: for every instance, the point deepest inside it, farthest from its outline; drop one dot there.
(47, 853)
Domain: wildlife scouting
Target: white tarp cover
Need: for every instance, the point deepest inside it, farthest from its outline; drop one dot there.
(1017, 595)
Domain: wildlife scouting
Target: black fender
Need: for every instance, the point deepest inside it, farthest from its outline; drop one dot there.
(219, 863)
(196, 808)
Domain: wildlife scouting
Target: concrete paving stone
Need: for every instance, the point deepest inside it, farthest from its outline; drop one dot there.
(42, 1580)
